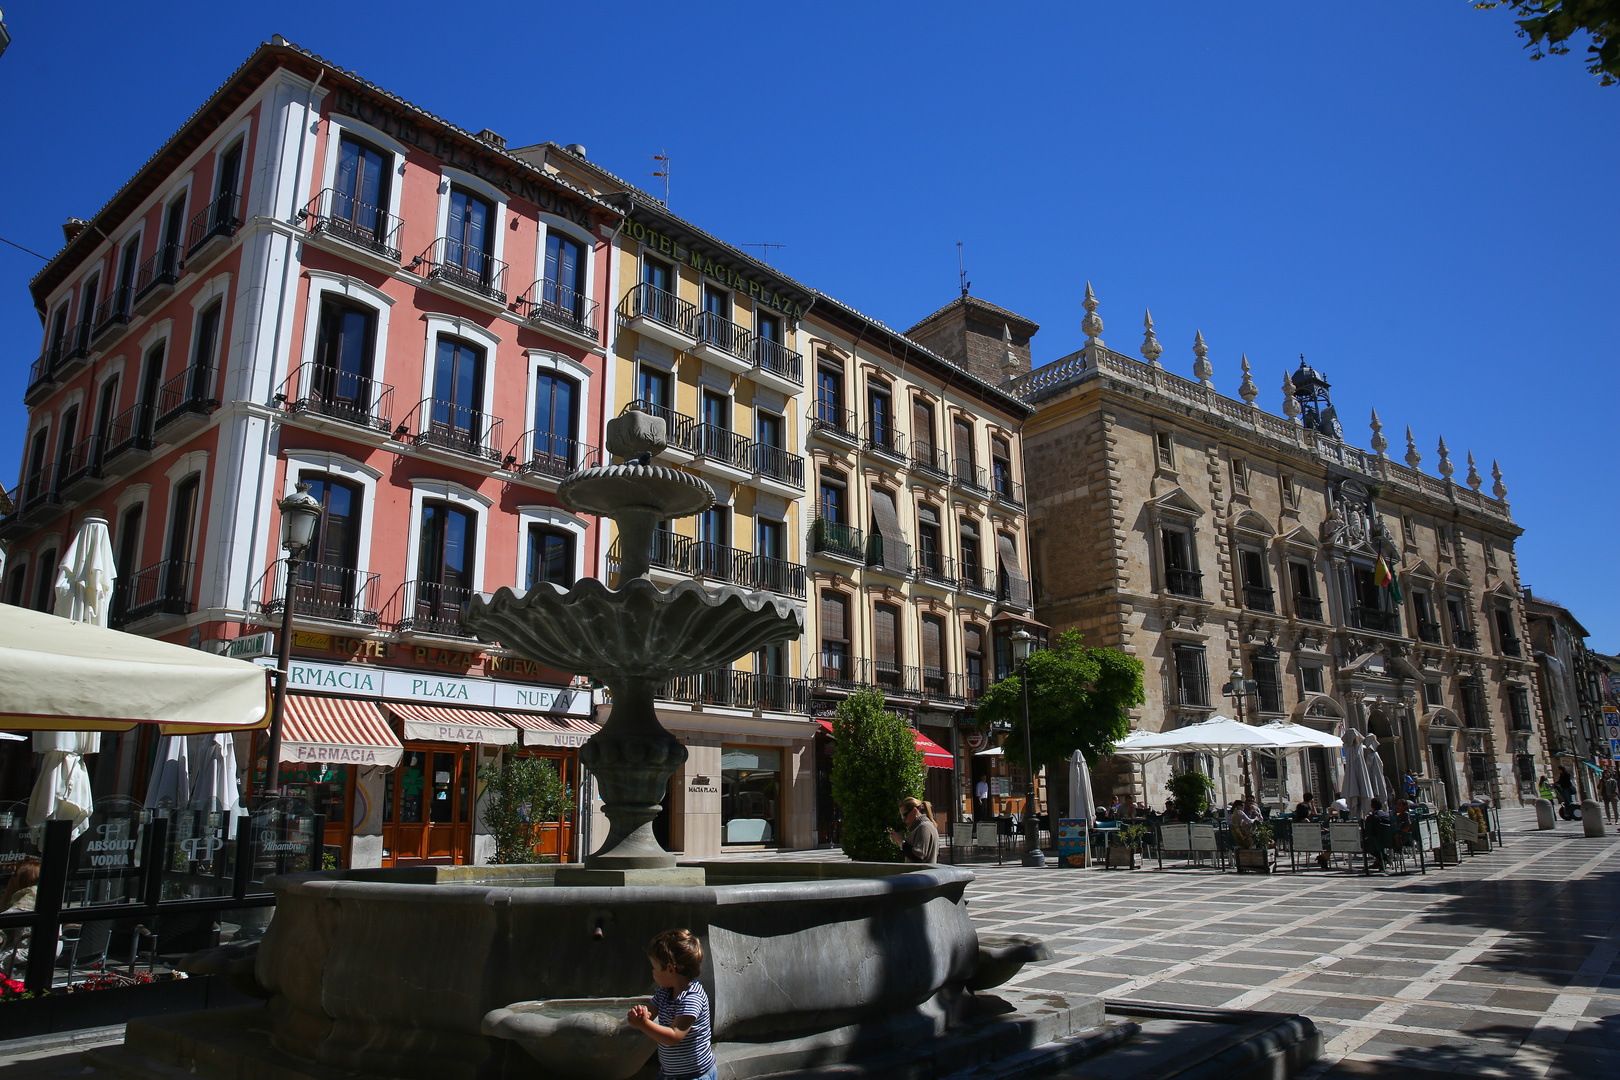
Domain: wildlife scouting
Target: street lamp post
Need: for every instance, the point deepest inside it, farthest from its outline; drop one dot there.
(1237, 688)
(300, 512)
(1023, 643)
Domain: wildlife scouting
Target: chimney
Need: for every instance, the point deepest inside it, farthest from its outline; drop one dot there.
(493, 139)
(72, 227)
(577, 149)
(979, 337)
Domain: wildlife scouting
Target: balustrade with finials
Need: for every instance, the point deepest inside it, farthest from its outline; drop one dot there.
(427, 607)
(346, 218)
(556, 304)
(457, 428)
(322, 390)
(463, 265)
(778, 359)
(648, 301)
(778, 464)
(322, 591)
(218, 218)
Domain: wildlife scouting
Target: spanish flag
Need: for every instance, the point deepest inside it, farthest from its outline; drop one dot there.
(1383, 577)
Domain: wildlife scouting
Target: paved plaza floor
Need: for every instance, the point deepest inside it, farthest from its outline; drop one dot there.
(1508, 965)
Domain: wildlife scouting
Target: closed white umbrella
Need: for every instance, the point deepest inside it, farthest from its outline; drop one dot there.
(1357, 784)
(214, 786)
(1081, 801)
(1377, 782)
(170, 783)
(84, 581)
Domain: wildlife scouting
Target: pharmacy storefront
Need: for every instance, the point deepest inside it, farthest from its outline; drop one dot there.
(391, 756)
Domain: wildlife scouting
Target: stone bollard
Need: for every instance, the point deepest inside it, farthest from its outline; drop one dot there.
(1544, 814)
(1592, 817)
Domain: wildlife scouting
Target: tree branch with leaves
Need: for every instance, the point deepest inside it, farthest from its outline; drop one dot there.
(1549, 24)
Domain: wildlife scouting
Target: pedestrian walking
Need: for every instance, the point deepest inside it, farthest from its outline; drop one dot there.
(678, 1020)
(1611, 797)
(981, 798)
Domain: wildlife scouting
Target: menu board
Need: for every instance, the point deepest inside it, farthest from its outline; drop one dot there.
(1071, 842)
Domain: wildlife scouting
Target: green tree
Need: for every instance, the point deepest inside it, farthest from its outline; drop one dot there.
(1191, 792)
(1549, 24)
(876, 763)
(1080, 698)
(520, 794)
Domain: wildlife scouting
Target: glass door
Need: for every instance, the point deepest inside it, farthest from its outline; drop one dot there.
(427, 807)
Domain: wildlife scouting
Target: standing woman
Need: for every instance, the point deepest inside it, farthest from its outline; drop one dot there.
(921, 842)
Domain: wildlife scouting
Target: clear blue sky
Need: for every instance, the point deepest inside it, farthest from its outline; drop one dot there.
(1393, 189)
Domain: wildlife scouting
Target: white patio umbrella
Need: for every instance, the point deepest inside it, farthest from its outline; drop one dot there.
(1131, 746)
(994, 751)
(84, 580)
(1220, 736)
(170, 782)
(214, 785)
(1357, 784)
(1300, 736)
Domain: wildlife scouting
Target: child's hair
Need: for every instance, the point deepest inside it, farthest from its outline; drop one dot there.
(26, 876)
(678, 950)
(920, 804)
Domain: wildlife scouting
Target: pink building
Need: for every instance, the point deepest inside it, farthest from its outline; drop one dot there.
(316, 281)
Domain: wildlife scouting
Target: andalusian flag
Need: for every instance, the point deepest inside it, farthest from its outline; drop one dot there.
(1383, 577)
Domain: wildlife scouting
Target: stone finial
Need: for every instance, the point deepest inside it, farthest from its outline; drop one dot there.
(1092, 324)
(1379, 443)
(1413, 458)
(1473, 473)
(1291, 407)
(1498, 489)
(1446, 467)
(1202, 368)
(1009, 359)
(1248, 391)
(1151, 349)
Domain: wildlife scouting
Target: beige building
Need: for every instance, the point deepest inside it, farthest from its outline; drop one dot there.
(1217, 541)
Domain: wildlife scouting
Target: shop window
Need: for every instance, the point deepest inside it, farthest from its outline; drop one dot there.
(751, 795)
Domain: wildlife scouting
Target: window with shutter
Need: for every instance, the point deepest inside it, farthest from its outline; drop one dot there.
(1012, 587)
(886, 644)
(889, 548)
(933, 636)
(834, 636)
(973, 649)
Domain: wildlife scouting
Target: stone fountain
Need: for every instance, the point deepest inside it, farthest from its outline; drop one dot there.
(520, 972)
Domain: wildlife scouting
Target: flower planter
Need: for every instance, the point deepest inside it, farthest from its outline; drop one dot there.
(1256, 859)
(1447, 854)
(1129, 858)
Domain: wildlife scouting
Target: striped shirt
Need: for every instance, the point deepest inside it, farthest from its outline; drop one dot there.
(692, 1056)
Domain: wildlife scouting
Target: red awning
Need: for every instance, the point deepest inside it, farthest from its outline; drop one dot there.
(434, 723)
(552, 730)
(341, 731)
(934, 755)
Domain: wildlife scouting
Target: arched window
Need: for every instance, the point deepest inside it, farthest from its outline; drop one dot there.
(445, 559)
(458, 396)
(345, 347)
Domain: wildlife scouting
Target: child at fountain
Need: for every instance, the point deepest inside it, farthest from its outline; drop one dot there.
(679, 1018)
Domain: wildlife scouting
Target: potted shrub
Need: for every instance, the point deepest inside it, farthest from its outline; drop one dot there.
(1190, 792)
(1126, 850)
(1447, 853)
(1258, 857)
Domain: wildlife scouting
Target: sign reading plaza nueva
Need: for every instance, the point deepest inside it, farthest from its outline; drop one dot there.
(430, 688)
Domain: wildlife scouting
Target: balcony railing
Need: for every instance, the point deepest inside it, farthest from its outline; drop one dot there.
(721, 333)
(934, 567)
(647, 301)
(426, 607)
(43, 370)
(680, 429)
(83, 461)
(1308, 607)
(1006, 489)
(1184, 582)
(38, 491)
(1464, 639)
(1510, 647)
(1259, 598)
(724, 446)
(778, 359)
(779, 464)
(836, 539)
(929, 460)
(884, 441)
(545, 453)
(1012, 591)
(974, 577)
(739, 689)
(947, 687)
(965, 474)
(217, 219)
(896, 680)
(158, 273)
(321, 390)
(718, 562)
(129, 430)
(343, 217)
(1473, 701)
(322, 591)
(828, 420)
(114, 310)
(837, 670)
(456, 428)
(186, 394)
(1383, 622)
(1429, 632)
(160, 589)
(555, 304)
(455, 262)
(777, 576)
(889, 556)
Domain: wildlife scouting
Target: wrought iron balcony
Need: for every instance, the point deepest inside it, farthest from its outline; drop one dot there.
(549, 303)
(37, 497)
(1464, 639)
(777, 360)
(669, 552)
(714, 561)
(1383, 622)
(1006, 490)
(779, 693)
(740, 690)
(81, 467)
(545, 453)
(1012, 592)
(896, 680)
(840, 672)
(884, 441)
(217, 220)
(935, 568)
(779, 464)
(943, 687)
(427, 607)
(163, 588)
(1308, 607)
(156, 277)
(319, 390)
(1184, 582)
(469, 268)
(724, 446)
(680, 429)
(42, 375)
(113, 311)
(716, 332)
(1259, 598)
(1429, 632)
(1510, 647)
(665, 309)
(836, 539)
(186, 400)
(831, 422)
(776, 575)
(444, 425)
(129, 433)
(888, 556)
(975, 578)
(929, 460)
(343, 217)
(965, 474)
(322, 591)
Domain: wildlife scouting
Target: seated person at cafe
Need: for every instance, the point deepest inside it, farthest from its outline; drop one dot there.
(1125, 809)
(1306, 809)
(1340, 806)
(1401, 818)
(1369, 832)
(1103, 814)
(1242, 822)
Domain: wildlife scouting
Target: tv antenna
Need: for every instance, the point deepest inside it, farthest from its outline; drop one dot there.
(662, 171)
(962, 269)
(764, 247)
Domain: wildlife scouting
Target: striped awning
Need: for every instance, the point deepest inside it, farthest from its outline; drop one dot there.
(551, 729)
(435, 723)
(341, 731)
(934, 755)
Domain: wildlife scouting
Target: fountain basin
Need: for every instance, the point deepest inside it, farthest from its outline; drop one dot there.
(392, 972)
(578, 1039)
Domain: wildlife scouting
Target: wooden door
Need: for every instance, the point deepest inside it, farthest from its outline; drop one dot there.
(427, 806)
